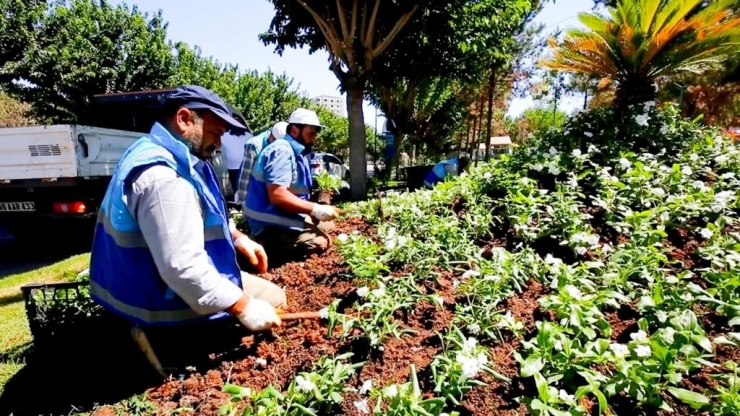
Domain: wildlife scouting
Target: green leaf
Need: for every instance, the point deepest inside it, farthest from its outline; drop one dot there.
(693, 399)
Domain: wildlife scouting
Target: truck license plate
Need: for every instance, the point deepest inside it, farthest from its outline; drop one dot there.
(17, 206)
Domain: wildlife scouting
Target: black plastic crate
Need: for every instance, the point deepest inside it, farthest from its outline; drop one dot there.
(58, 309)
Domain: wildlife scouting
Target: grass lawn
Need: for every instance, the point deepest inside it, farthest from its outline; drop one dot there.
(14, 332)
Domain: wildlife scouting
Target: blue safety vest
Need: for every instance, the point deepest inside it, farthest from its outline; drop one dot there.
(260, 212)
(123, 275)
(438, 173)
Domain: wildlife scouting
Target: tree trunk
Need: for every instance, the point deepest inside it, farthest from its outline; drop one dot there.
(634, 91)
(357, 140)
(491, 82)
(463, 144)
(474, 139)
(480, 127)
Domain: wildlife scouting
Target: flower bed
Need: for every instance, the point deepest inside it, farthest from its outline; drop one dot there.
(574, 277)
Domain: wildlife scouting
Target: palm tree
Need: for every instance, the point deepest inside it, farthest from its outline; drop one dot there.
(642, 40)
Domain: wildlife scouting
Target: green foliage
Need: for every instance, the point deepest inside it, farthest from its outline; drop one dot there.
(14, 113)
(16, 33)
(91, 47)
(328, 182)
(642, 40)
(539, 119)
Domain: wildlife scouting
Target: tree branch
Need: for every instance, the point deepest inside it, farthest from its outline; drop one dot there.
(394, 32)
(342, 21)
(368, 44)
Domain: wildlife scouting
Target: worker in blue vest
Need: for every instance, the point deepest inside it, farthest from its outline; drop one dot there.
(280, 215)
(449, 167)
(164, 251)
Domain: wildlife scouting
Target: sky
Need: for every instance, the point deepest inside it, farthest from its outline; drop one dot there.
(230, 34)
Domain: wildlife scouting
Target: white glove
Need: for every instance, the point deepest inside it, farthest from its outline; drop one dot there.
(258, 315)
(324, 212)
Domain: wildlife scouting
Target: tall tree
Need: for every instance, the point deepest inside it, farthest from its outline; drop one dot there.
(642, 40)
(354, 33)
(89, 47)
(18, 22)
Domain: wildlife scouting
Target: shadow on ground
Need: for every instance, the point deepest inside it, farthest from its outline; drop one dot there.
(43, 246)
(95, 362)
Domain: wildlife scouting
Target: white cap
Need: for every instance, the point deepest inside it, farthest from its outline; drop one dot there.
(279, 129)
(305, 117)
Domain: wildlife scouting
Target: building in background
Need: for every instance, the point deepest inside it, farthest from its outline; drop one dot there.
(335, 104)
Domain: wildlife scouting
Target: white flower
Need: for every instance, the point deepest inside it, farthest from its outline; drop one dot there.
(643, 351)
(642, 119)
(391, 391)
(728, 175)
(639, 336)
(649, 105)
(664, 129)
(304, 384)
(668, 334)
(564, 396)
(362, 406)
(721, 159)
(706, 233)
(470, 366)
(581, 250)
(391, 233)
(469, 344)
(538, 167)
(379, 292)
(455, 284)
(687, 171)
(625, 163)
(554, 168)
(487, 175)
(588, 134)
(390, 244)
(402, 241)
(470, 273)
(342, 238)
(619, 350)
(324, 313)
(573, 292)
(366, 386)
(363, 291)
(482, 359)
(671, 280)
(260, 362)
(658, 191)
(553, 150)
(593, 239)
(698, 185)
(576, 152)
(694, 157)
(474, 328)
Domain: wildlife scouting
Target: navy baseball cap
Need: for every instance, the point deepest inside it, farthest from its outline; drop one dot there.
(195, 97)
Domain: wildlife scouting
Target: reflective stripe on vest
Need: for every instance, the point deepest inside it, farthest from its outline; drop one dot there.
(123, 274)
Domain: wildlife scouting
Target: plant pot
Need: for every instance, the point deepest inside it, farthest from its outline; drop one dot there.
(324, 197)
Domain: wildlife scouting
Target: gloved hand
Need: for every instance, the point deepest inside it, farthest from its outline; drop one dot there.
(259, 315)
(253, 251)
(324, 212)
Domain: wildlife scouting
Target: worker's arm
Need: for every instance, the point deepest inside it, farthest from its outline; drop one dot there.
(169, 213)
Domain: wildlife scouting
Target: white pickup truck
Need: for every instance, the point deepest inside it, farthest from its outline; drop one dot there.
(48, 172)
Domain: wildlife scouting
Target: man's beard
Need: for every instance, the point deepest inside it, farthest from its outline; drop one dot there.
(195, 140)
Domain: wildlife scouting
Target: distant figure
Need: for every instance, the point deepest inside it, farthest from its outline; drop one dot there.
(452, 167)
(232, 147)
(251, 151)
